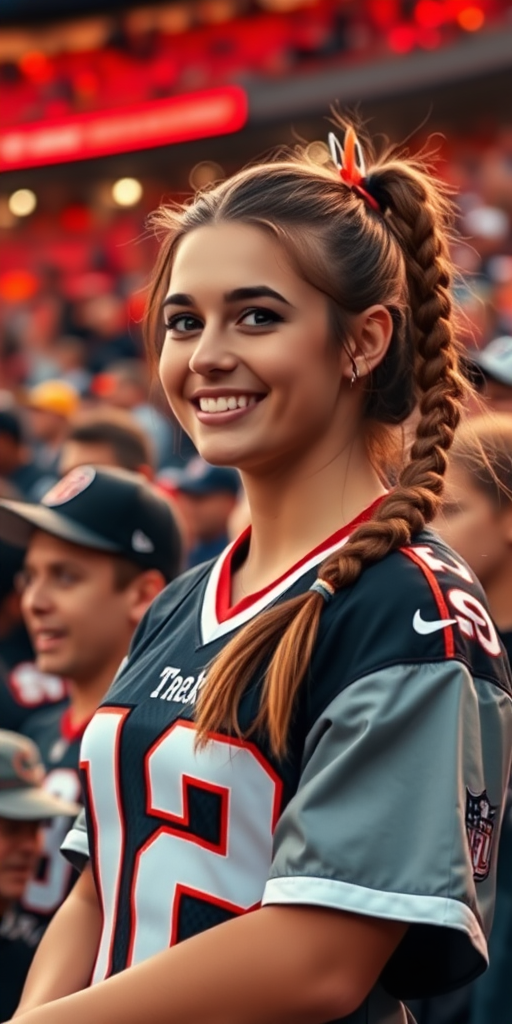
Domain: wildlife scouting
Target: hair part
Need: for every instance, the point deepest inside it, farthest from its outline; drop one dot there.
(356, 257)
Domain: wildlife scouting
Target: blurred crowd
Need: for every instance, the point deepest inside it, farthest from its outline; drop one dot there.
(151, 53)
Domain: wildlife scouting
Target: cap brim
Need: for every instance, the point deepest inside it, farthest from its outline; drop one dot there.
(18, 520)
(34, 804)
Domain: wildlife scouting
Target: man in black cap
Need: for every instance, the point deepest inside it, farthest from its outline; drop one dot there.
(100, 546)
(24, 805)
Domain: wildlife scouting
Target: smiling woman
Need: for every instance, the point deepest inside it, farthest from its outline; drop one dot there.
(268, 745)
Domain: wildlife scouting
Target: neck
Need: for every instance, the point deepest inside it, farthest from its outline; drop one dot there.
(499, 596)
(86, 694)
(295, 509)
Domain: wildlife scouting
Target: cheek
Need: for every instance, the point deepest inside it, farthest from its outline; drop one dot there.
(172, 370)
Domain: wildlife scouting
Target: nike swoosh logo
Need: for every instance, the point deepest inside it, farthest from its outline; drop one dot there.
(425, 627)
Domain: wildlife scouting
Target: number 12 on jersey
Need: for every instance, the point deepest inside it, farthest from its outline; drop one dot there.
(230, 872)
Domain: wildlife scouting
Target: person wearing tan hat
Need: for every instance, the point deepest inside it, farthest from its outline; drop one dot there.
(24, 806)
(50, 406)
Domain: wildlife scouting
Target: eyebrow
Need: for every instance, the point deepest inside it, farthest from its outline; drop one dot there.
(259, 291)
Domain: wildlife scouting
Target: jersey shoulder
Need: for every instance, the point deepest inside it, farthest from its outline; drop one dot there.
(420, 604)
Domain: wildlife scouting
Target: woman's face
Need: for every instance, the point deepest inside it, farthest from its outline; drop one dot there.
(246, 364)
(472, 525)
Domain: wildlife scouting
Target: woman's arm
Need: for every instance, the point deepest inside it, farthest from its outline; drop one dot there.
(65, 958)
(280, 964)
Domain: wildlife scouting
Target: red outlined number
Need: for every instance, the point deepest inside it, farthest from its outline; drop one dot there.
(229, 873)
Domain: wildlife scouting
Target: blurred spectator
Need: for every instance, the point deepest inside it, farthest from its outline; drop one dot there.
(107, 437)
(476, 520)
(17, 465)
(71, 359)
(23, 687)
(126, 386)
(24, 806)
(98, 550)
(206, 496)
(50, 407)
(103, 321)
(495, 364)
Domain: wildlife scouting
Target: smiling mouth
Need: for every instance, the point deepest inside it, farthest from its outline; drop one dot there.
(226, 403)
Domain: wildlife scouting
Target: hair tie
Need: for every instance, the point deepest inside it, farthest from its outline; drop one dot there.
(350, 162)
(325, 589)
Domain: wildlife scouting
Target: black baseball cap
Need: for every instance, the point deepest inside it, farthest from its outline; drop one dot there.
(22, 795)
(109, 510)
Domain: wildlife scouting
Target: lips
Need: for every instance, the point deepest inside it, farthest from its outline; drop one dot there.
(47, 639)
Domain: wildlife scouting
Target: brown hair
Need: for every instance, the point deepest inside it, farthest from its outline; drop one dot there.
(483, 447)
(357, 257)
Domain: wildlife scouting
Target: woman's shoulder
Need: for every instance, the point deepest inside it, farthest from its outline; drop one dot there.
(420, 604)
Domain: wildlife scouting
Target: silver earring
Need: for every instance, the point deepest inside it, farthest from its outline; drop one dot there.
(355, 375)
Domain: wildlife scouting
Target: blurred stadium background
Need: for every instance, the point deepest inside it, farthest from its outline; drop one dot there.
(107, 108)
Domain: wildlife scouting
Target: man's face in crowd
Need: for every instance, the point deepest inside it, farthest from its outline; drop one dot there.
(73, 608)
(20, 849)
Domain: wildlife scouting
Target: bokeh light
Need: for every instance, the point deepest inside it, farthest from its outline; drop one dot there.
(127, 192)
(205, 173)
(22, 202)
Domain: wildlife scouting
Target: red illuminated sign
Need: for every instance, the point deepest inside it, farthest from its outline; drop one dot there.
(179, 119)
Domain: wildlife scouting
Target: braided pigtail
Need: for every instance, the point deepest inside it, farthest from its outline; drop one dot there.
(381, 241)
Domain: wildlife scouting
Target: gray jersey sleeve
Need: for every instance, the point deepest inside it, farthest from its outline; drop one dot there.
(75, 847)
(397, 816)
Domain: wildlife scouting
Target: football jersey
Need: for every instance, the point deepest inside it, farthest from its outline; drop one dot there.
(388, 802)
(59, 744)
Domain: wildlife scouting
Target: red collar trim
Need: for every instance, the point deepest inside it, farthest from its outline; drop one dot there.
(225, 610)
(69, 732)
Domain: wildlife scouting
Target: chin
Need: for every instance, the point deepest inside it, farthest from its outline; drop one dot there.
(51, 665)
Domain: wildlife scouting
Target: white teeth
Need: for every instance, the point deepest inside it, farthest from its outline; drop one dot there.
(226, 404)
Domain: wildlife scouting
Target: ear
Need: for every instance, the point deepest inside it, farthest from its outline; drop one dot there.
(141, 592)
(370, 336)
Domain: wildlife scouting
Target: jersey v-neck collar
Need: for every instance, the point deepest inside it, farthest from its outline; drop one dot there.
(219, 617)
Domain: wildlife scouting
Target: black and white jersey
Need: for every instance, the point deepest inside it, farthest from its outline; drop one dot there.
(59, 744)
(389, 800)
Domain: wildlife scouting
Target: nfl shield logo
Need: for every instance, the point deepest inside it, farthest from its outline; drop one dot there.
(480, 827)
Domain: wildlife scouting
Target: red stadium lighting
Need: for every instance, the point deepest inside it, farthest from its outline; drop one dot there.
(37, 67)
(471, 18)
(402, 38)
(430, 14)
(197, 115)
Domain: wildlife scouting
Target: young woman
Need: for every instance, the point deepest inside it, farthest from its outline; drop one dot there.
(301, 768)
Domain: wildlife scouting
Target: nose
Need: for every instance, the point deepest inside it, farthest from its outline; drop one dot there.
(36, 597)
(212, 354)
